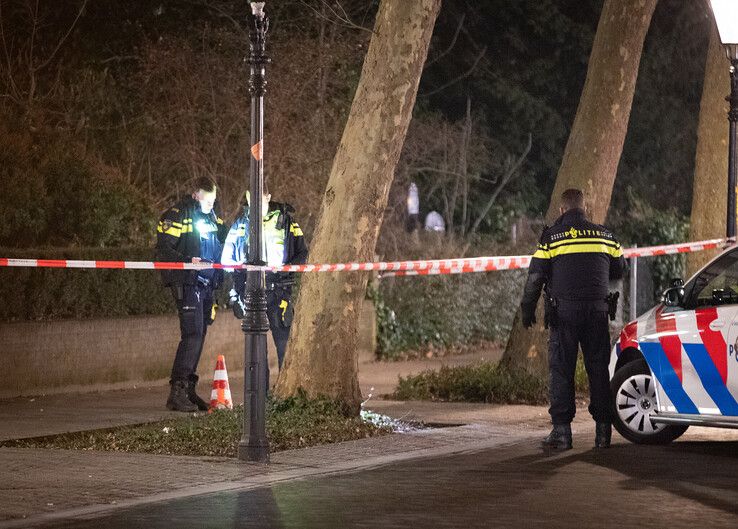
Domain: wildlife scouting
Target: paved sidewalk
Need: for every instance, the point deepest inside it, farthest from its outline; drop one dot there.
(41, 484)
(44, 485)
(59, 413)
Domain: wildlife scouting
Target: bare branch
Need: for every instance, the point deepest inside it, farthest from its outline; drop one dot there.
(503, 182)
(11, 80)
(450, 46)
(120, 58)
(63, 39)
(34, 17)
(223, 13)
(342, 20)
(428, 169)
(457, 79)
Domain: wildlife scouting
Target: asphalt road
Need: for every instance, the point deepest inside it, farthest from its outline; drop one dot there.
(687, 484)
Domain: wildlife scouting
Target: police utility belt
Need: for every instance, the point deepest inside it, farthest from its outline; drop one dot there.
(278, 285)
(551, 306)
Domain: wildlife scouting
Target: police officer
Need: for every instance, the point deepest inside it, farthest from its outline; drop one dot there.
(283, 243)
(191, 232)
(575, 261)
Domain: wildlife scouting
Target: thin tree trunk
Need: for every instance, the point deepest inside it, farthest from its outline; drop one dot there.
(710, 188)
(596, 140)
(322, 356)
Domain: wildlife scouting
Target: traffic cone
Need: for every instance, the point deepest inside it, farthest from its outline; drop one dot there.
(220, 397)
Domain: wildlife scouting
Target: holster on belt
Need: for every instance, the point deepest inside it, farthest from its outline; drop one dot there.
(612, 304)
(550, 316)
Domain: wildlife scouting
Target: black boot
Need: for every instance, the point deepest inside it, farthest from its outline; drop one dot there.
(178, 400)
(194, 397)
(603, 434)
(559, 438)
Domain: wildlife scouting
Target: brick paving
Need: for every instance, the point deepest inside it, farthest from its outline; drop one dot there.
(38, 483)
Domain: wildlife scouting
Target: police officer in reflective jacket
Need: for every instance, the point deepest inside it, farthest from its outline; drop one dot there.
(191, 232)
(574, 263)
(284, 243)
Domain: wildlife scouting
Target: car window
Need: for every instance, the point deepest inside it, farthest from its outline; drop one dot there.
(715, 285)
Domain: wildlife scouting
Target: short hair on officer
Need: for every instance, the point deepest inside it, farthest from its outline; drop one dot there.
(204, 183)
(572, 199)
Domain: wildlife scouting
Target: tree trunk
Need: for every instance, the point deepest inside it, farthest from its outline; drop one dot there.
(710, 189)
(596, 140)
(322, 357)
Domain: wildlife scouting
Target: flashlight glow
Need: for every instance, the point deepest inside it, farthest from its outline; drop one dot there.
(204, 227)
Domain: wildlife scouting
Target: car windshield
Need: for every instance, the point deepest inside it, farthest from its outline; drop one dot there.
(717, 284)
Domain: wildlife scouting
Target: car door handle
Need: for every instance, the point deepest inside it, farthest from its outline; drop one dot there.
(717, 324)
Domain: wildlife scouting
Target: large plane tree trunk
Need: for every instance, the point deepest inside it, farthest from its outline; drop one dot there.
(322, 356)
(596, 141)
(710, 188)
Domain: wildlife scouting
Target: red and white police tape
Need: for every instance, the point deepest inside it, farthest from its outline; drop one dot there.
(392, 268)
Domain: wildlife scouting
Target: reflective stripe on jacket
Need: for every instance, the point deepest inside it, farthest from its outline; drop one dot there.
(281, 230)
(177, 239)
(575, 259)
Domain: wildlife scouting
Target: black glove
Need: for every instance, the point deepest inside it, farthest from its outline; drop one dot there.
(529, 317)
(237, 304)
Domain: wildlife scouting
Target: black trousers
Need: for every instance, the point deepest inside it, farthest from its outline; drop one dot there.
(194, 306)
(585, 324)
(280, 313)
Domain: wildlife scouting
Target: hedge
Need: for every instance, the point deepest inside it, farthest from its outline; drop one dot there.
(420, 312)
(57, 293)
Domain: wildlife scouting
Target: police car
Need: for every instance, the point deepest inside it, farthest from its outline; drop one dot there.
(676, 365)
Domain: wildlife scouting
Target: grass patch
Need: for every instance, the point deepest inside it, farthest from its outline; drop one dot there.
(484, 382)
(291, 423)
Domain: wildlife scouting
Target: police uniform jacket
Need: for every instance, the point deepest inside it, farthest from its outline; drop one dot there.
(178, 240)
(576, 260)
(287, 239)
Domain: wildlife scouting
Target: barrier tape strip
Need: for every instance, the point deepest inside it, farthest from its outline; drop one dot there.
(393, 268)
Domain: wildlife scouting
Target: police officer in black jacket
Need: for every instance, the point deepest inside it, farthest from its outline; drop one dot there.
(574, 263)
(191, 232)
(284, 244)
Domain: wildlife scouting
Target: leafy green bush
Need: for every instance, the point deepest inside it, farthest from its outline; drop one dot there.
(55, 196)
(57, 293)
(645, 225)
(292, 423)
(417, 313)
(484, 382)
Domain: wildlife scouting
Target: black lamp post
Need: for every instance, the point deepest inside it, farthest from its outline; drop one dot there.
(726, 16)
(732, 141)
(254, 445)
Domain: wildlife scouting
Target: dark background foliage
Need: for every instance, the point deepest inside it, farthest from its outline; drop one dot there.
(104, 127)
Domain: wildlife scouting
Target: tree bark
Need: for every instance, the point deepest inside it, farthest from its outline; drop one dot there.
(710, 190)
(322, 357)
(595, 143)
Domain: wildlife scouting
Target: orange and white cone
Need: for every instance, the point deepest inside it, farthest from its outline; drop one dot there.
(220, 397)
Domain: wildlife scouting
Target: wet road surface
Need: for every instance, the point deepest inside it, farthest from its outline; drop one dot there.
(688, 484)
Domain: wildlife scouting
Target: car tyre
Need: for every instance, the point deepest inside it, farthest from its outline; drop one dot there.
(634, 402)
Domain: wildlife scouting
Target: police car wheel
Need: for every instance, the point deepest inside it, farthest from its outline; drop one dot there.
(634, 401)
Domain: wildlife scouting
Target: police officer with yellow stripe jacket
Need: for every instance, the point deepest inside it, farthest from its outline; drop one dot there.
(575, 262)
(284, 243)
(191, 232)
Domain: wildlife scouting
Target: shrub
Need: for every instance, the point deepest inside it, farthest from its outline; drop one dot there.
(485, 382)
(417, 313)
(55, 196)
(489, 382)
(57, 293)
(645, 225)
